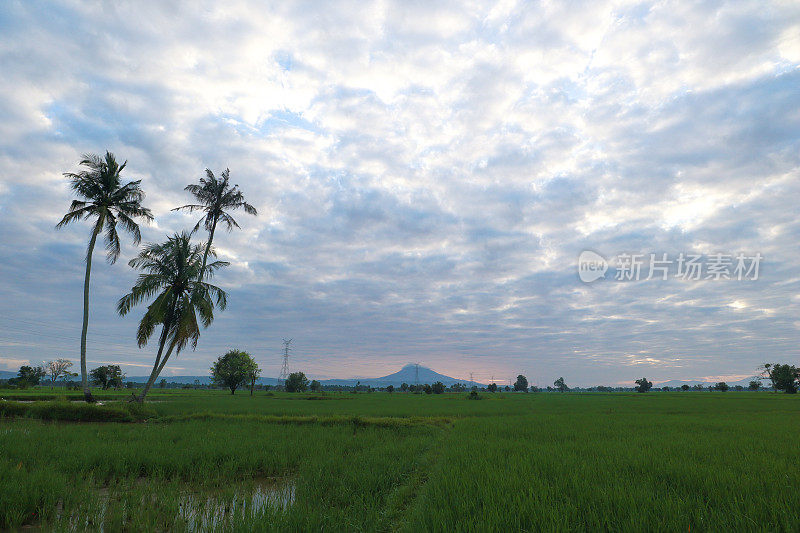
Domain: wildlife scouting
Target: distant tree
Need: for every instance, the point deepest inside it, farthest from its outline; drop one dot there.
(458, 387)
(492, 387)
(427, 389)
(507, 388)
(58, 369)
(297, 382)
(390, 389)
(438, 387)
(130, 385)
(197, 384)
(721, 386)
(754, 385)
(315, 386)
(27, 376)
(404, 387)
(521, 384)
(163, 383)
(665, 388)
(560, 385)
(253, 372)
(234, 369)
(108, 376)
(684, 387)
(783, 377)
(642, 385)
(534, 388)
(698, 386)
(738, 388)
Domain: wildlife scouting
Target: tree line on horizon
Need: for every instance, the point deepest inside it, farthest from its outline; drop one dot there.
(238, 368)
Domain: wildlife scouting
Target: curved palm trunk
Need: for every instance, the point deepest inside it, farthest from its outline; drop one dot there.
(158, 365)
(208, 249)
(87, 393)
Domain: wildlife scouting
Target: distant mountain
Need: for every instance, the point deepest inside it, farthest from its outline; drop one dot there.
(4, 374)
(407, 374)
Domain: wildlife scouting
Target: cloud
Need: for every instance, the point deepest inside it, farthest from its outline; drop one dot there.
(425, 176)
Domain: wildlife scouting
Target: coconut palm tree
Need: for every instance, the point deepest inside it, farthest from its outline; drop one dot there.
(216, 197)
(107, 201)
(172, 272)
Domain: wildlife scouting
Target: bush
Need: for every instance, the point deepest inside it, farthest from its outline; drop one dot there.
(473, 395)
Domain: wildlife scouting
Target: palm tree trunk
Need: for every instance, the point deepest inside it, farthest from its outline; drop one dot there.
(166, 358)
(156, 370)
(87, 394)
(208, 249)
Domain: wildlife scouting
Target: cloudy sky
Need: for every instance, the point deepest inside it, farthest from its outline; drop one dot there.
(426, 175)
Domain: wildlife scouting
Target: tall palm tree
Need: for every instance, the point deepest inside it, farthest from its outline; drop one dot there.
(173, 274)
(106, 200)
(216, 197)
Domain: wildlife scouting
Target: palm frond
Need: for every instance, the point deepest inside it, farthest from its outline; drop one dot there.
(130, 226)
(101, 192)
(111, 239)
(77, 214)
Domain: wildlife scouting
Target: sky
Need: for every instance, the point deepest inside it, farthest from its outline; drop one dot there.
(426, 175)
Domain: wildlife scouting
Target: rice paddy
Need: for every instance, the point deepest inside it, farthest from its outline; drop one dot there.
(205, 460)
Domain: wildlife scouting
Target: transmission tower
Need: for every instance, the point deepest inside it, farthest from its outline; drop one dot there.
(285, 368)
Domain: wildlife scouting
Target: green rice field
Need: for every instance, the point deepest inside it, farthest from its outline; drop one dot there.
(200, 460)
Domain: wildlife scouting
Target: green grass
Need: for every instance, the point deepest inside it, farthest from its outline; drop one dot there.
(380, 462)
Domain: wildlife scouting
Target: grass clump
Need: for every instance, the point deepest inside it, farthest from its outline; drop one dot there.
(324, 420)
(75, 411)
